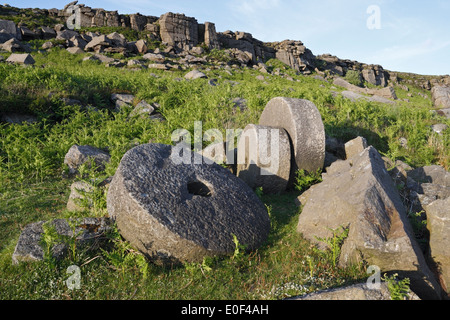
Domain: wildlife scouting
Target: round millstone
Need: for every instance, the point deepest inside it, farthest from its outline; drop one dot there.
(264, 158)
(303, 122)
(183, 212)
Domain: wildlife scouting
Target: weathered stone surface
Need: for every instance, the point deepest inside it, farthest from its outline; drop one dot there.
(142, 109)
(361, 197)
(441, 96)
(78, 190)
(102, 58)
(21, 58)
(183, 212)
(155, 57)
(127, 98)
(357, 292)
(141, 46)
(303, 122)
(78, 155)
(88, 231)
(439, 128)
(354, 96)
(355, 93)
(66, 34)
(48, 33)
(179, 30)
(295, 55)
(75, 50)
(10, 28)
(195, 74)
(100, 41)
(14, 45)
(211, 38)
(444, 112)
(431, 174)
(355, 146)
(438, 216)
(264, 158)
(375, 75)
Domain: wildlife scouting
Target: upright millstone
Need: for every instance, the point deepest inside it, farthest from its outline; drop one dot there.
(264, 158)
(181, 212)
(303, 122)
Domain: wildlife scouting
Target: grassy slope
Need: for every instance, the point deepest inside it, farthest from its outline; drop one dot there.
(31, 165)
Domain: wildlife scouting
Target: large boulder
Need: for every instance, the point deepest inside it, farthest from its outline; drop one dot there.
(303, 122)
(10, 28)
(441, 96)
(358, 194)
(174, 210)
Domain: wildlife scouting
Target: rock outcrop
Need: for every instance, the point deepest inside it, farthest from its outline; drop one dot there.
(441, 96)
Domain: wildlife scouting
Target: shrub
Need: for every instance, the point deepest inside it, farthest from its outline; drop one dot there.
(354, 77)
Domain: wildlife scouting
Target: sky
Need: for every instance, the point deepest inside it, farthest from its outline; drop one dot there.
(400, 35)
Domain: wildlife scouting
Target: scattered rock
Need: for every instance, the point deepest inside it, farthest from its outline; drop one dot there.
(21, 58)
(154, 57)
(79, 155)
(16, 118)
(127, 98)
(264, 158)
(141, 46)
(75, 50)
(14, 45)
(195, 74)
(357, 292)
(90, 233)
(142, 109)
(175, 212)
(78, 191)
(240, 103)
(444, 112)
(439, 128)
(303, 122)
(362, 198)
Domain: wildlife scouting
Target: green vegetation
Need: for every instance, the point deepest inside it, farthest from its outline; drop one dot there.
(398, 289)
(32, 188)
(354, 77)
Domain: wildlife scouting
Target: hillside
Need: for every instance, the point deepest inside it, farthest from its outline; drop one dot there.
(124, 81)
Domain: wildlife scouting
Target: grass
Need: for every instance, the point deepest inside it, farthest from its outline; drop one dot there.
(32, 188)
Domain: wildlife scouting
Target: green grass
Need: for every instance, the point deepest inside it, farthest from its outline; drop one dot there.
(32, 188)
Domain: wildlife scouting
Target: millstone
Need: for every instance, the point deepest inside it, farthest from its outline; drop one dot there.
(264, 158)
(303, 122)
(183, 212)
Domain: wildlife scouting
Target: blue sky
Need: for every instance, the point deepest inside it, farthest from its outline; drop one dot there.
(413, 36)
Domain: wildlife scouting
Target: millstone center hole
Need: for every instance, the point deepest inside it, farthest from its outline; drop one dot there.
(198, 188)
